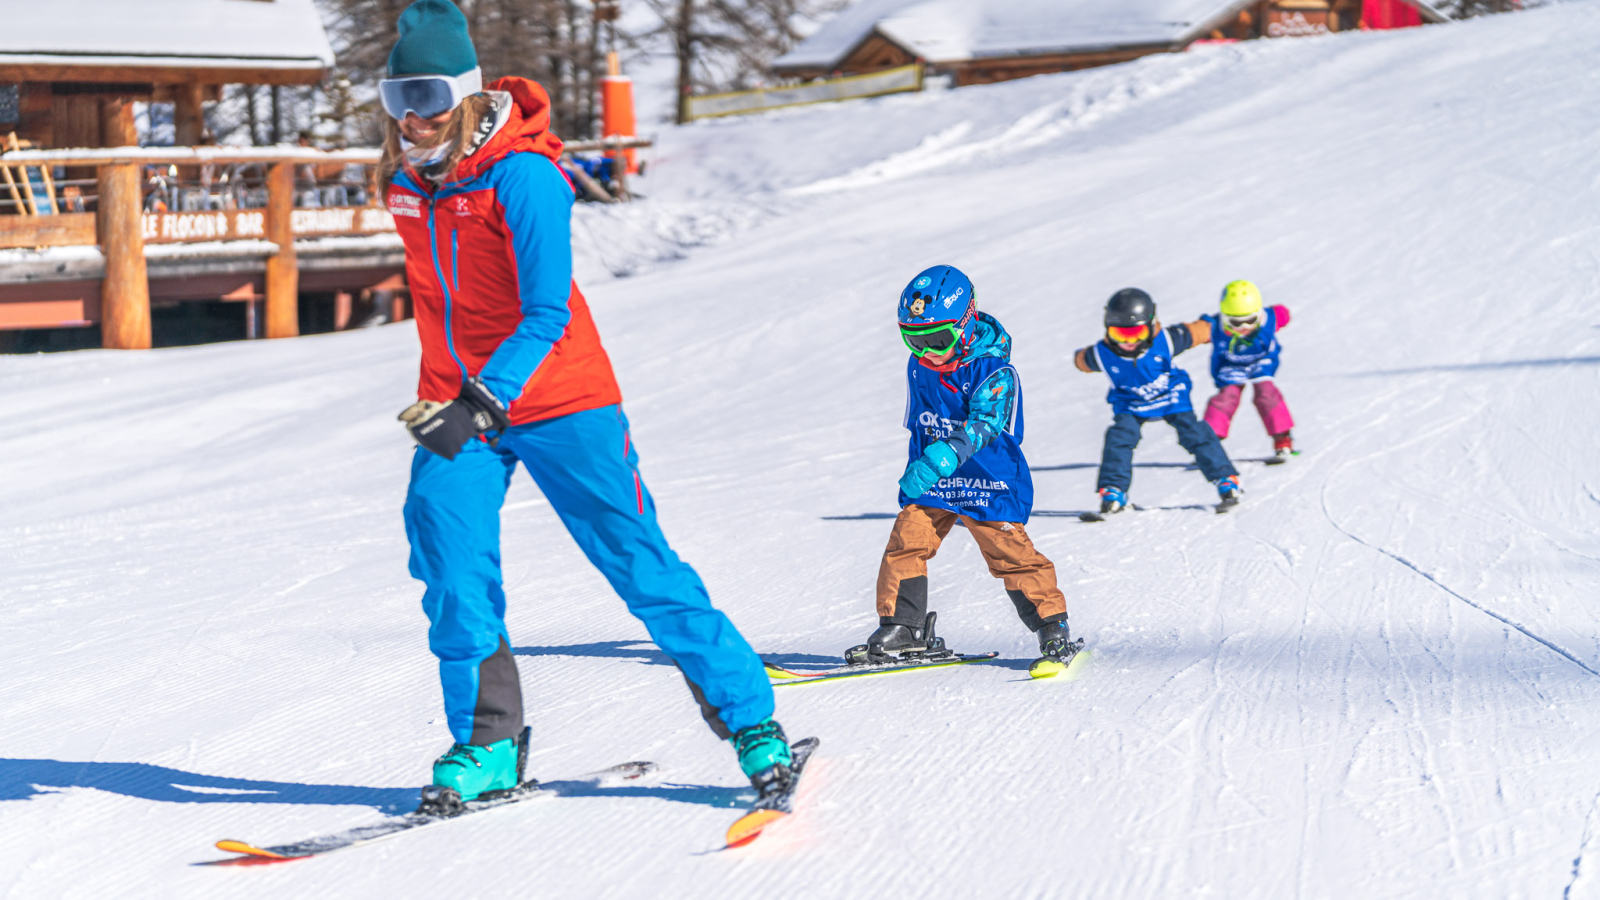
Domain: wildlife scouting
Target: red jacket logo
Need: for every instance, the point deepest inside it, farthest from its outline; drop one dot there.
(463, 208)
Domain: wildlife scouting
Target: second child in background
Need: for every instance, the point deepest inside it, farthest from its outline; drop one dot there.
(1245, 350)
(1136, 354)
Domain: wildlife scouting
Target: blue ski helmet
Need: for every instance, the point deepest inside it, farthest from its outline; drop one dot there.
(937, 296)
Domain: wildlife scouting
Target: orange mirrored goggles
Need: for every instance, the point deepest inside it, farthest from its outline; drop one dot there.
(1128, 335)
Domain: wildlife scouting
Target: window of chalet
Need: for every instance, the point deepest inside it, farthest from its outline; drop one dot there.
(10, 103)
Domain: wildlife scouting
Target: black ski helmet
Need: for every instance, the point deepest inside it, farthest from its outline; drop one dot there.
(1130, 308)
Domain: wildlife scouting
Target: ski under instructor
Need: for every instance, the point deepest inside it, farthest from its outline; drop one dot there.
(513, 370)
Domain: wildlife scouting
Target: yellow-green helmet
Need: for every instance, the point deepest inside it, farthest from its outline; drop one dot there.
(1241, 298)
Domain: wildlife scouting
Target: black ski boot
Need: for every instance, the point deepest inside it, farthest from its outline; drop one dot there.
(894, 643)
(1056, 649)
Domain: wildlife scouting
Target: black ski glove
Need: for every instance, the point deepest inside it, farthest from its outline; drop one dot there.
(446, 427)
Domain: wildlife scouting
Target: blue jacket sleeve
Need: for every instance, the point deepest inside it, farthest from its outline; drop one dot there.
(538, 211)
(988, 413)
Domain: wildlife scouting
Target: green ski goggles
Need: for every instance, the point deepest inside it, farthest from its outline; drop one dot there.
(930, 339)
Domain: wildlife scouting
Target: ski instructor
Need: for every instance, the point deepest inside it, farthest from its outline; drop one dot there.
(513, 371)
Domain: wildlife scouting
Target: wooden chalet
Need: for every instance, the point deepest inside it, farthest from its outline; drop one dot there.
(983, 41)
(95, 230)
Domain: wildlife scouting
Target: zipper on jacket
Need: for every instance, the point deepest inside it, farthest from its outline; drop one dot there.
(444, 286)
(455, 260)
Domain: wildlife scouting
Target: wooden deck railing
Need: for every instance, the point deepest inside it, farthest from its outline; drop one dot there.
(122, 227)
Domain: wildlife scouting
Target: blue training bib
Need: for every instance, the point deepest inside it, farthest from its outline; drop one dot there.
(1149, 385)
(1238, 361)
(994, 485)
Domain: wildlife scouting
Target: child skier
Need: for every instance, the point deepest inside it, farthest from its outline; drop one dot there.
(1137, 355)
(513, 372)
(964, 412)
(1249, 355)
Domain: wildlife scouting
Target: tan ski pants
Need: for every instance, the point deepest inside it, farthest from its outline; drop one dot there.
(1029, 577)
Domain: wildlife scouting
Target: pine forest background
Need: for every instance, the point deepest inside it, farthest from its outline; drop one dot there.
(708, 45)
(700, 45)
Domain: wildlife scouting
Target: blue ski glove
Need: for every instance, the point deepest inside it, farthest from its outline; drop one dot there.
(936, 462)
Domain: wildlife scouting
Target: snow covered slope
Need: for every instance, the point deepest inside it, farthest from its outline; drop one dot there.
(1379, 678)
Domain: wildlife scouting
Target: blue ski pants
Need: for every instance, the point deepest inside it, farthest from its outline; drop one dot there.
(1195, 436)
(587, 467)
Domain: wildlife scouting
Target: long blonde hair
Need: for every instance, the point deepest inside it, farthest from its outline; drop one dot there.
(456, 133)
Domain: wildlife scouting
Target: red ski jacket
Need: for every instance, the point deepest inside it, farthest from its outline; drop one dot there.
(489, 264)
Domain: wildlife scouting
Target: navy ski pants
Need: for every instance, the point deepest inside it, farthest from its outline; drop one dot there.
(587, 467)
(1195, 436)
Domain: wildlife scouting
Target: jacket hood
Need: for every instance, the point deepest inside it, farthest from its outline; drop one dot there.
(527, 130)
(989, 338)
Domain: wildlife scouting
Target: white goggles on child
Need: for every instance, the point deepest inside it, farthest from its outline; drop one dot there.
(1237, 325)
(427, 95)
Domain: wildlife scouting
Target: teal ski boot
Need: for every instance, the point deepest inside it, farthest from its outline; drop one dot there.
(468, 772)
(764, 756)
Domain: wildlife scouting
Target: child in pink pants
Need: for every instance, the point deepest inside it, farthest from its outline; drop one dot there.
(1245, 350)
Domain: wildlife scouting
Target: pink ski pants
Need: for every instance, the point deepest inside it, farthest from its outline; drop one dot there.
(1269, 403)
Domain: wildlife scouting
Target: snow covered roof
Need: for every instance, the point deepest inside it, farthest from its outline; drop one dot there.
(212, 33)
(956, 30)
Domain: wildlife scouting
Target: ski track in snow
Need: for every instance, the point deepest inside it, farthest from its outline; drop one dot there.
(210, 631)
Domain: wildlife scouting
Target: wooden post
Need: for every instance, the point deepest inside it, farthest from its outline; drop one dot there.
(283, 274)
(341, 310)
(16, 196)
(589, 185)
(117, 128)
(188, 114)
(619, 173)
(188, 123)
(28, 204)
(125, 293)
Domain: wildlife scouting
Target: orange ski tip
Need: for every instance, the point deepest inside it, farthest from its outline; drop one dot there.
(248, 849)
(749, 826)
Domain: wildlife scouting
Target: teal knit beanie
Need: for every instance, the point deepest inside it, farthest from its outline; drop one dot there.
(433, 41)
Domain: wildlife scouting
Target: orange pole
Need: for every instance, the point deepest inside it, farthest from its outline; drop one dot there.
(616, 107)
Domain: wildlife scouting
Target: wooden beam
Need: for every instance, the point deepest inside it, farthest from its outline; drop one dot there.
(49, 304)
(12, 72)
(117, 128)
(35, 110)
(188, 123)
(342, 308)
(283, 276)
(75, 120)
(131, 153)
(44, 314)
(237, 286)
(188, 115)
(11, 188)
(590, 186)
(64, 230)
(125, 293)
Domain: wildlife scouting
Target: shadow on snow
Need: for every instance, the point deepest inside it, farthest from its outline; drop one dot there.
(700, 794)
(646, 653)
(1138, 465)
(23, 779)
(641, 651)
(1468, 367)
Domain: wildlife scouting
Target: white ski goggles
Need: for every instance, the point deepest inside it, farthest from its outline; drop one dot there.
(1239, 325)
(427, 95)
